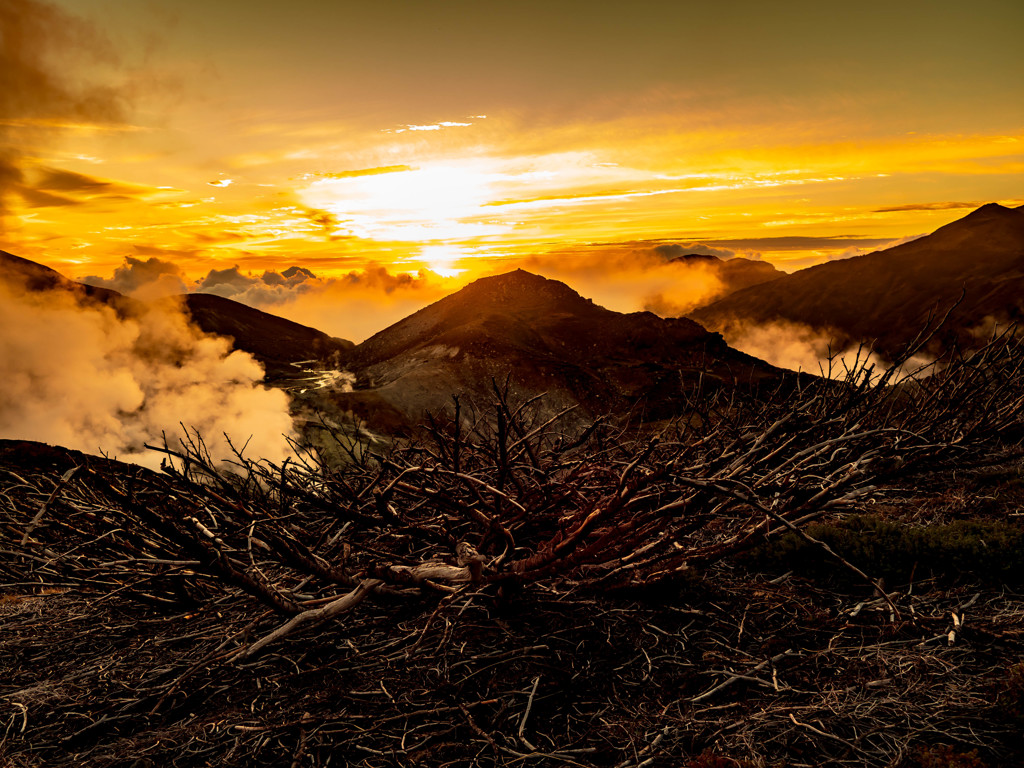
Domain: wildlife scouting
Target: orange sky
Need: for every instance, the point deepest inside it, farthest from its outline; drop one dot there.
(462, 138)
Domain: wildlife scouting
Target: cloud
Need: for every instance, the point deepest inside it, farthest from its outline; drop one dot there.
(430, 127)
(58, 180)
(798, 243)
(626, 278)
(56, 187)
(676, 250)
(230, 280)
(365, 172)
(359, 304)
(929, 207)
(147, 279)
(40, 84)
(35, 198)
(89, 378)
(326, 221)
(802, 348)
(351, 306)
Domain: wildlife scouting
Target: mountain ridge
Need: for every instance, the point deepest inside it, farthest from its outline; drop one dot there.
(540, 336)
(886, 296)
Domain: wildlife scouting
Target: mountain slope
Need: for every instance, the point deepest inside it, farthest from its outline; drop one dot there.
(545, 338)
(274, 341)
(32, 276)
(887, 296)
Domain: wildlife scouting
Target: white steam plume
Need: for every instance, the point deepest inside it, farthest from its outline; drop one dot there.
(802, 348)
(81, 376)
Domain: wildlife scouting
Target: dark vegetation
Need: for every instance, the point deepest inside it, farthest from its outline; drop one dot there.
(504, 592)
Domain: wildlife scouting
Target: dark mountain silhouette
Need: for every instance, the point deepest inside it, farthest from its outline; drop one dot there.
(32, 276)
(887, 296)
(544, 338)
(274, 341)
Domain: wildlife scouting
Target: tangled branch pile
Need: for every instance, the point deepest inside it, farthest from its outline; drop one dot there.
(502, 591)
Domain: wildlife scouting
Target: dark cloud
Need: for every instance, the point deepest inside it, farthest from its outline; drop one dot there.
(224, 236)
(669, 251)
(36, 198)
(150, 278)
(950, 206)
(58, 180)
(40, 45)
(327, 222)
(798, 243)
(230, 278)
(379, 278)
(294, 271)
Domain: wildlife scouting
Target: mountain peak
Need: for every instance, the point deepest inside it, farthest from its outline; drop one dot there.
(990, 211)
(518, 285)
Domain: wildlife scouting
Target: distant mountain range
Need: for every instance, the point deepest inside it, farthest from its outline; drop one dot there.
(886, 297)
(520, 330)
(539, 336)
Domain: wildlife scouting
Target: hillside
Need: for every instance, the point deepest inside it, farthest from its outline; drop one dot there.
(275, 342)
(887, 296)
(540, 595)
(545, 338)
(32, 276)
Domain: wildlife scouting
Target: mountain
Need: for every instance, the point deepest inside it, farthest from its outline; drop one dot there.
(32, 276)
(275, 342)
(887, 296)
(544, 338)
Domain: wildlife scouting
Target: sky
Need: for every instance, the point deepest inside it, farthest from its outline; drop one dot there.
(396, 150)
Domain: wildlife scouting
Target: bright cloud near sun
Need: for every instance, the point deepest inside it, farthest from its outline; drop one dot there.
(432, 202)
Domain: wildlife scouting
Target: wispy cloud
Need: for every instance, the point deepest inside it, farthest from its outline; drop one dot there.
(360, 172)
(930, 207)
(429, 127)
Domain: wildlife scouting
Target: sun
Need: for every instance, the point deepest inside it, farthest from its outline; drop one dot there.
(440, 258)
(428, 203)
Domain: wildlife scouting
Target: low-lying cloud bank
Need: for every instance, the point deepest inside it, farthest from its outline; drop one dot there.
(82, 376)
(669, 279)
(353, 306)
(802, 348)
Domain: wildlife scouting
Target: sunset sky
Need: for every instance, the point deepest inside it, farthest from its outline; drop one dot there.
(376, 140)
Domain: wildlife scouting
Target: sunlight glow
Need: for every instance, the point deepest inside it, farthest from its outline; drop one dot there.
(440, 258)
(428, 203)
